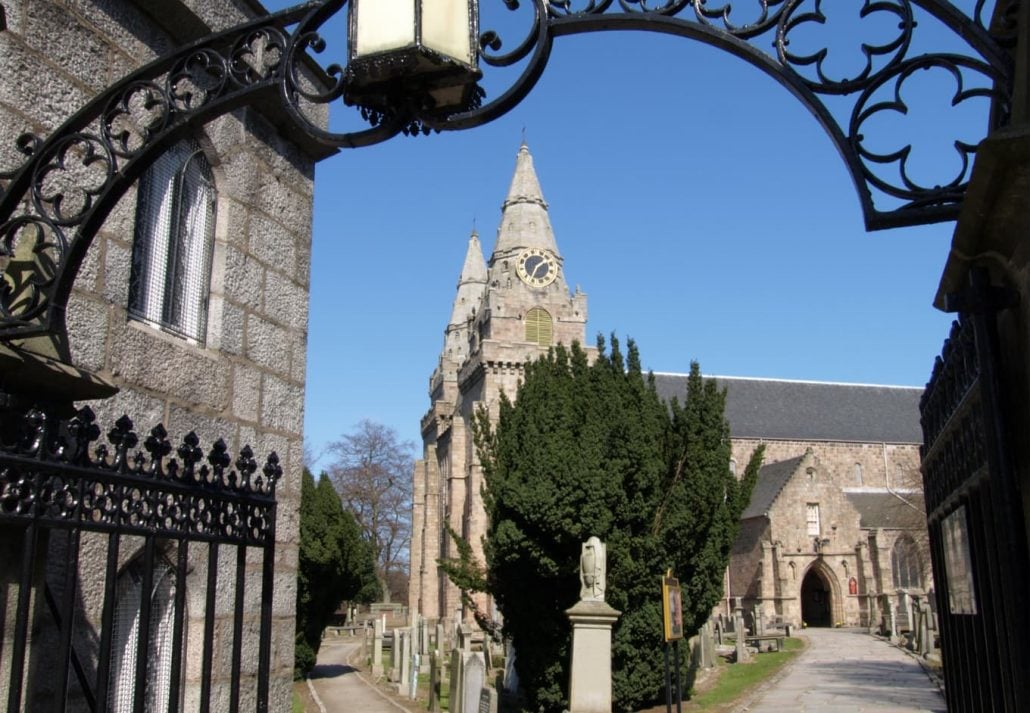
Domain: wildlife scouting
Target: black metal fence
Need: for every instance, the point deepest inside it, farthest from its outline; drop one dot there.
(72, 514)
(975, 517)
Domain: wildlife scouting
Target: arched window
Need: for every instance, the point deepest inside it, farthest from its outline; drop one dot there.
(171, 252)
(733, 466)
(539, 328)
(858, 473)
(125, 639)
(905, 564)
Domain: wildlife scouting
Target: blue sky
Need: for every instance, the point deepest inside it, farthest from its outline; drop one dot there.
(700, 206)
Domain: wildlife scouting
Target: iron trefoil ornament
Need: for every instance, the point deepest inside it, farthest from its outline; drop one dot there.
(52, 205)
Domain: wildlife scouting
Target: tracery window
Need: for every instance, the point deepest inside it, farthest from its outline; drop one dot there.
(125, 639)
(171, 252)
(905, 564)
(812, 519)
(539, 327)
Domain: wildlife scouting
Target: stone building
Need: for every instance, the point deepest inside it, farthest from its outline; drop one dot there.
(835, 532)
(836, 505)
(191, 302)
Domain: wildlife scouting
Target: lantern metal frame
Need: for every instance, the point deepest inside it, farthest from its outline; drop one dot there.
(46, 231)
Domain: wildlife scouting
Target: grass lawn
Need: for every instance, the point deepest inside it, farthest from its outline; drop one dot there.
(734, 680)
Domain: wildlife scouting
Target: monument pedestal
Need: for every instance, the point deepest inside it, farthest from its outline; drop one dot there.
(590, 687)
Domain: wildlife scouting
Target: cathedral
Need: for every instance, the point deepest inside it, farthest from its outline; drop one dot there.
(835, 531)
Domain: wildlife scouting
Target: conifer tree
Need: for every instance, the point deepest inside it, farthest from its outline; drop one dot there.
(335, 564)
(590, 449)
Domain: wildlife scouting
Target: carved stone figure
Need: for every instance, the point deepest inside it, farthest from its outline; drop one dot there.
(592, 564)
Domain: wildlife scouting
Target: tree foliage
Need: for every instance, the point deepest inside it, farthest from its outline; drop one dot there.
(372, 473)
(335, 564)
(590, 449)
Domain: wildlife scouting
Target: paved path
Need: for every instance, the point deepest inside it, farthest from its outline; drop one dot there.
(847, 672)
(342, 688)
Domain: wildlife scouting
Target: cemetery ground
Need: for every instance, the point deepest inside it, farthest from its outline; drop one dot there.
(820, 670)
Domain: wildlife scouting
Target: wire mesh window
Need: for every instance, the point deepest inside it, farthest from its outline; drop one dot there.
(905, 564)
(125, 639)
(171, 255)
(812, 519)
(539, 328)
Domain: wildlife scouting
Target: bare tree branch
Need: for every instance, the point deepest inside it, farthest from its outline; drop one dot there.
(372, 472)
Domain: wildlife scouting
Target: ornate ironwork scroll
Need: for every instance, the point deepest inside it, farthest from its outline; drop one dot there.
(49, 474)
(54, 203)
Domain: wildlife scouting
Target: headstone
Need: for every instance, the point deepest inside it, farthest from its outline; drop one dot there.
(454, 686)
(377, 648)
(473, 678)
(416, 667)
(423, 637)
(892, 622)
(441, 642)
(759, 624)
(395, 654)
(718, 630)
(465, 638)
(738, 626)
(434, 682)
(590, 677)
(404, 683)
(488, 701)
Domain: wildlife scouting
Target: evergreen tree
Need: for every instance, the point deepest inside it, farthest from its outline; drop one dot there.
(335, 563)
(590, 449)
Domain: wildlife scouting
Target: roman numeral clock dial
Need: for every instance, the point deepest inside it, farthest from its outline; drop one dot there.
(537, 268)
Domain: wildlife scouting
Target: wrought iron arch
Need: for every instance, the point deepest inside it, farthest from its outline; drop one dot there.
(51, 206)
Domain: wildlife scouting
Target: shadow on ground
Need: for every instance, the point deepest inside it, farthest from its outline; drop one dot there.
(331, 670)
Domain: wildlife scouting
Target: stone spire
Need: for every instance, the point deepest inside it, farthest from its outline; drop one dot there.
(524, 220)
(470, 285)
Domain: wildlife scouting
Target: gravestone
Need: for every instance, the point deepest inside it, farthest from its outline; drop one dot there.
(441, 642)
(465, 638)
(488, 701)
(718, 630)
(473, 678)
(423, 637)
(434, 682)
(395, 654)
(377, 648)
(404, 683)
(759, 624)
(454, 686)
(738, 627)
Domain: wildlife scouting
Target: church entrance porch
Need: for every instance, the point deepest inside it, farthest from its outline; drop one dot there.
(816, 599)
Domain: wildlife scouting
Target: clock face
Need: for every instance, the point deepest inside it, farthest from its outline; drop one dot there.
(537, 267)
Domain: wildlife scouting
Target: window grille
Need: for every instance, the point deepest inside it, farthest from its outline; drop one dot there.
(812, 519)
(539, 328)
(126, 639)
(171, 256)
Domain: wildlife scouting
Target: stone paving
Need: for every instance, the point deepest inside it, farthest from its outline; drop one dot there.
(342, 688)
(846, 672)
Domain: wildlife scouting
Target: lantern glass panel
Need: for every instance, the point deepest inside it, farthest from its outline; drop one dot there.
(383, 25)
(446, 28)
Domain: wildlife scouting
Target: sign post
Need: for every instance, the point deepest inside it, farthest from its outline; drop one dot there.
(672, 611)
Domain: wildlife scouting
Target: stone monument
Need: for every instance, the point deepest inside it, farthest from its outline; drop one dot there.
(590, 686)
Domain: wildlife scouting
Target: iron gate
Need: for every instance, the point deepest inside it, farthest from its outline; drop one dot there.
(160, 501)
(975, 516)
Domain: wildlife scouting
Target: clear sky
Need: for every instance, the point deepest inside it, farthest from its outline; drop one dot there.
(699, 205)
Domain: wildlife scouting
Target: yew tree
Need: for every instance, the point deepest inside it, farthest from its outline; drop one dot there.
(590, 449)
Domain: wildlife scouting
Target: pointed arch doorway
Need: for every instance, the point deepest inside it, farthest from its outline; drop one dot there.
(816, 599)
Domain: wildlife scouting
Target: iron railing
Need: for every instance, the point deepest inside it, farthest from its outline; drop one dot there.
(53, 481)
(975, 515)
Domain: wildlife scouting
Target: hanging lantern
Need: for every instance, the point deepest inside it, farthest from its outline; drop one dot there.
(413, 51)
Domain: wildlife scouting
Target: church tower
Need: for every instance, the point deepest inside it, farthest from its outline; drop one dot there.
(507, 312)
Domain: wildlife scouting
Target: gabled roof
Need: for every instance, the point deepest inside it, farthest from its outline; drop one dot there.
(888, 510)
(812, 410)
(772, 478)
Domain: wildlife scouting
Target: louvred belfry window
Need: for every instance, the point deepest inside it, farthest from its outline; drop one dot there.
(539, 328)
(171, 254)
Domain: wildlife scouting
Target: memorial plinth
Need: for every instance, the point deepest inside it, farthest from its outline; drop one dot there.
(590, 686)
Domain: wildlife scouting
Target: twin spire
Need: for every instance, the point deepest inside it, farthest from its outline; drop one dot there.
(524, 225)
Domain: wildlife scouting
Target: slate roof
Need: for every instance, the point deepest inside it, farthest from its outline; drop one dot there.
(812, 410)
(771, 480)
(883, 509)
